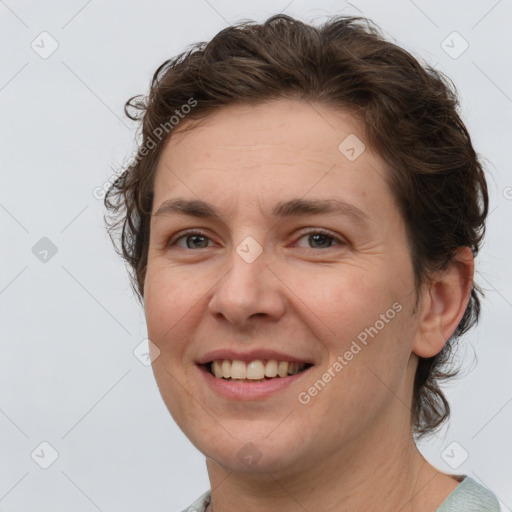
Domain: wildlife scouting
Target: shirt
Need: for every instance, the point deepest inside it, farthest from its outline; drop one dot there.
(468, 496)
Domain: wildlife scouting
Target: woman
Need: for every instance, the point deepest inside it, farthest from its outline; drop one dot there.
(338, 205)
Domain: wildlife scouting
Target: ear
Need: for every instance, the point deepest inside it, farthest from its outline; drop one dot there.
(443, 303)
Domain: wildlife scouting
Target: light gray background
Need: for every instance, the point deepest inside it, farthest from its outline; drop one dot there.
(68, 375)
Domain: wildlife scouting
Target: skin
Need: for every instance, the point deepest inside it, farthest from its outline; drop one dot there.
(350, 447)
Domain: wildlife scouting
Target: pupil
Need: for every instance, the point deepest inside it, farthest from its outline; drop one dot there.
(194, 237)
(325, 237)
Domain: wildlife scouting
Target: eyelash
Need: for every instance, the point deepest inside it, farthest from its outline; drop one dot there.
(310, 231)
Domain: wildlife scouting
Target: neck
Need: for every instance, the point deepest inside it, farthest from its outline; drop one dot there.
(375, 476)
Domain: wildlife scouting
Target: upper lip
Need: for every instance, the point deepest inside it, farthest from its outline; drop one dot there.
(250, 355)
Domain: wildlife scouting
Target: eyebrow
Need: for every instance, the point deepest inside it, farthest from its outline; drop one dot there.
(294, 207)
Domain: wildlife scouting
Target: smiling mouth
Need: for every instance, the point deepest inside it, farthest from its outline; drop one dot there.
(259, 370)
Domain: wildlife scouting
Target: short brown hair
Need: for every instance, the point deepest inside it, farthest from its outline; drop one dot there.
(410, 116)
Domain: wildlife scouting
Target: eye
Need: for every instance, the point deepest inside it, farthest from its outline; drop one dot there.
(193, 240)
(321, 239)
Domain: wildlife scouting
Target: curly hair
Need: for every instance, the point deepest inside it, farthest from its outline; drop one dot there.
(409, 112)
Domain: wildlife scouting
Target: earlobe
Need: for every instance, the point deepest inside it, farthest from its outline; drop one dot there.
(443, 303)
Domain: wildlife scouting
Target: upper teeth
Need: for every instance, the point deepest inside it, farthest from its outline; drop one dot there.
(254, 370)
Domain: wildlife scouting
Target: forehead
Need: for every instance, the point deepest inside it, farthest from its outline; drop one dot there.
(268, 129)
(271, 150)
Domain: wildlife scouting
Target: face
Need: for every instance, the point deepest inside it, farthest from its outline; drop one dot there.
(266, 272)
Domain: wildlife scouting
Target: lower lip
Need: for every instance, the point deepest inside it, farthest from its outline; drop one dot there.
(240, 390)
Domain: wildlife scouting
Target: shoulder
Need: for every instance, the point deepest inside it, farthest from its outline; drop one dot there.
(470, 496)
(200, 504)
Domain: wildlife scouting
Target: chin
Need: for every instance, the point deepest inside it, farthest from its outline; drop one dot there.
(253, 454)
(253, 459)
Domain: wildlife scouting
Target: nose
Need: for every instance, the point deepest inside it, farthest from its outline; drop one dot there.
(249, 290)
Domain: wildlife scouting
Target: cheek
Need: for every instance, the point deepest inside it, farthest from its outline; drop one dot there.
(367, 328)
(169, 302)
(347, 300)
